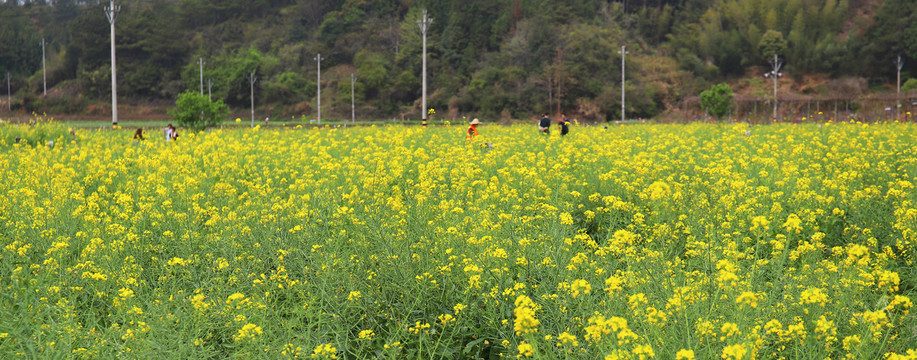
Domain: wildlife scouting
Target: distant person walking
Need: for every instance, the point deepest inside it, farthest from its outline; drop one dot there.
(138, 135)
(472, 129)
(564, 124)
(545, 124)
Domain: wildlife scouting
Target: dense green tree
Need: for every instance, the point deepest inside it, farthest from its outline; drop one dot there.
(373, 69)
(149, 58)
(717, 100)
(229, 72)
(196, 111)
(19, 38)
(894, 21)
(772, 42)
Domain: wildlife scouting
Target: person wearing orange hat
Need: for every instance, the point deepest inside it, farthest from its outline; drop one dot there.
(472, 129)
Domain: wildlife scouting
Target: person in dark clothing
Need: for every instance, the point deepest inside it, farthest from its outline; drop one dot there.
(564, 124)
(545, 124)
(138, 135)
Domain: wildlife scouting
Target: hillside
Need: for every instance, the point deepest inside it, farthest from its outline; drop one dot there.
(499, 59)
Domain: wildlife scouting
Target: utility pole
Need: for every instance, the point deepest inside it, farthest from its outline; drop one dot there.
(201, 62)
(623, 53)
(774, 74)
(899, 64)
(353, 108)
(424, 24)
(210, 89)
(111, 12)
(558, 76)
(251, 80)
(44, 77)
(318, 59)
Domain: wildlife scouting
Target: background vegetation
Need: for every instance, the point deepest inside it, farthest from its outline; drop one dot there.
(507, 58)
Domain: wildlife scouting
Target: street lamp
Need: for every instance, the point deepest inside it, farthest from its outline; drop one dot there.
(623, 53)
(774, 74)
(111, 12)
(424, 24)
(318, 58)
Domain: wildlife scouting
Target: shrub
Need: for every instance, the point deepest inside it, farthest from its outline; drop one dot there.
(196, 111)
(717, 100)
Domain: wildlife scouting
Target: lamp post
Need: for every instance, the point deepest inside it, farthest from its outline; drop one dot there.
(623, 53)
(424, 24)
(318, 60)
(111, 12)
(251, 80)
(774, 74)
(898, 64)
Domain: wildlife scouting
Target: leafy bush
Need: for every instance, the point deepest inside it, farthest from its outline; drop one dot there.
(197, 111)
(909, 85)
(717, 100)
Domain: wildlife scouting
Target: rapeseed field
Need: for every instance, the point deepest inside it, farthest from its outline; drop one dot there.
(637, 242)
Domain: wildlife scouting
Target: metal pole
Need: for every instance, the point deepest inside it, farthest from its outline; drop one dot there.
(424, 24)
(318, 59)
(111, 12)
(899, 64)
(251, 80)
(775, 73)
(200, 61)
(44, 77)
(775, 86)
(623, 53)
(353, 109)
(210, 89)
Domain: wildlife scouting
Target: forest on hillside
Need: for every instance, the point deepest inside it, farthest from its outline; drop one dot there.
(495, 58)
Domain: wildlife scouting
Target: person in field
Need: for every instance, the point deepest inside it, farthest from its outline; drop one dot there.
(138, 135)
(564, 124)
(545, 124)
(472, 129)
(173, 132)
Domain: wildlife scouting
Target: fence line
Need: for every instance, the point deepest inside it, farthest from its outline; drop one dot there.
(871, 108)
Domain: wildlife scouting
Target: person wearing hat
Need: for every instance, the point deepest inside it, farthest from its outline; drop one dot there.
(472, 129)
